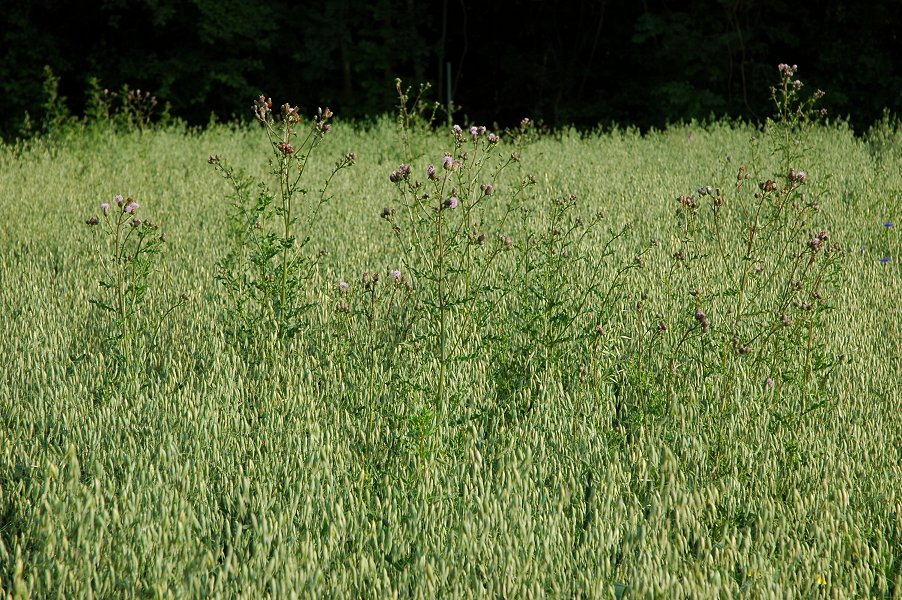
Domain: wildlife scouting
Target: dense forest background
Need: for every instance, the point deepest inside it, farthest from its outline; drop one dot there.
(582, 62)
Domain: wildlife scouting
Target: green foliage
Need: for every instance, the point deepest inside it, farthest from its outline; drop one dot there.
(266, 271)
(567, 457)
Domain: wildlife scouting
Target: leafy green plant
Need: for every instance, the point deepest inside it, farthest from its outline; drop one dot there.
(266, 272)
(128, 248)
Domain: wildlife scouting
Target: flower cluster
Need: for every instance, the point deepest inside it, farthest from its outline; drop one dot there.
(401, 174)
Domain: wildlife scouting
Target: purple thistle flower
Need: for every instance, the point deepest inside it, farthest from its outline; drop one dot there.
(447, 161)
(119, 200)
(404, 170)
(885, 259)
(452, 202)
(430, 172)
(493, 138)
(105, 207)
(801, 176)
(769, 383)
(456, 130)
(343, 286)
(131, 207)
(396, 275)
(474, 131)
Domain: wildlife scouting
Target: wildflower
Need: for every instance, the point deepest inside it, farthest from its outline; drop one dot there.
(136, 222)
(430, 172)
(214, 159)
(447, 162)
(769, 383)
(343, 286)
(801, 176)
(488, 189)
(131, 207)
(452, 202)
(286, 149)
(387, 212)
(351, 157)
(889, 224)
(599, 330)
(119, 200)
(524, 122)
(702, 319)
(785, 320)
(506, 240)
(662, 326)
(474, 132)
(343, 306)
(815, 244)
(456, 130)
(885, 259)
(402, 173)
(105, 207)
(396, 276)
(494, 139)
(93, 220)
(456, 165)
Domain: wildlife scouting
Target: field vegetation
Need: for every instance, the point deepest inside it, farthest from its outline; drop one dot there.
(318, 358)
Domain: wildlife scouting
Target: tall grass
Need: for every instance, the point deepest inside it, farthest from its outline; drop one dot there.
(578, 448)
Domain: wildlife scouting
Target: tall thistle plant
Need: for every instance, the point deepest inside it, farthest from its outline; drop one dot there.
(767, 320)
(267, 271)
(448, 245)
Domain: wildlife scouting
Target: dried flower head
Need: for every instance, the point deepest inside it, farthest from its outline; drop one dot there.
(387, 212)
(452, 202)
(92, 220)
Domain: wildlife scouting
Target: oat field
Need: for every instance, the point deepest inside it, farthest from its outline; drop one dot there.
(589, 384)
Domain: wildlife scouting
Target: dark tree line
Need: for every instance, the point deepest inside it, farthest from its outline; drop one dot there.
(585, 62)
